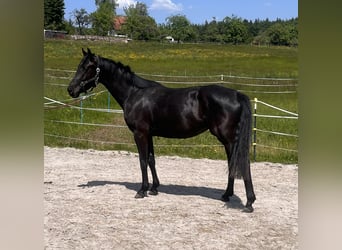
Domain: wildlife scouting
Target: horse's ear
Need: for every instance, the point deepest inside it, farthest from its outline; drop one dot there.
(84, 52)
(91, 55)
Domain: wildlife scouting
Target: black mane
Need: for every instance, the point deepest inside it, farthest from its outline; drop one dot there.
(129, 76)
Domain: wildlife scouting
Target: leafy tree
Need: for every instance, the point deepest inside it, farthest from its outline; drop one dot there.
(180, 28)
(279, 34)
(54, 14)
(234, 30)
(113, 2)
(69, 28)
(261, 39)
(139, 25)
(138, 9)
(82, 19)
(102, 18)
(211, 32)
(293, 30)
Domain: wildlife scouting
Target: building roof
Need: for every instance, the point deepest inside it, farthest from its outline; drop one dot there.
(119, 21)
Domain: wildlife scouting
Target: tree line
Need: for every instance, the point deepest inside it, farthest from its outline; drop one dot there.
(137, 24)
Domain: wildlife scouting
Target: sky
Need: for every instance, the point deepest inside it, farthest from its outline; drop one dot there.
(198, 11)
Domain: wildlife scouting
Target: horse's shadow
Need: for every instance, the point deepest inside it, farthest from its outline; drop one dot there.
(211, 193)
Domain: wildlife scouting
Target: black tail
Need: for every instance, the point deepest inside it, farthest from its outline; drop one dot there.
(239, 162)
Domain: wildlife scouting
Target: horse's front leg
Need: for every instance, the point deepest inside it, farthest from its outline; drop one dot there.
(141, 139)
(152, 164)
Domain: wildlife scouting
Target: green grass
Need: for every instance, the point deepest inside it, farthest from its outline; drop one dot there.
(172, 60)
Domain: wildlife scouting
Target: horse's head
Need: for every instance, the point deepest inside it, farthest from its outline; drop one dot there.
(87, 75)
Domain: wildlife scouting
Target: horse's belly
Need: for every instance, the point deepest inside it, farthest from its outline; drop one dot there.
(178, 130)
(181, 116)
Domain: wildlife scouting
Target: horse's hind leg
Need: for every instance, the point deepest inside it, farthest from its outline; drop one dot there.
(247, 181)
(225, 134)
(152, 164)
(249, 191)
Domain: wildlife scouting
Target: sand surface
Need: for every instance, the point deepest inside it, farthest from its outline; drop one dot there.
(89, 204)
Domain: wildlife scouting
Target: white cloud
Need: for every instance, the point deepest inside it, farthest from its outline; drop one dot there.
(125, 3)
(167, 5)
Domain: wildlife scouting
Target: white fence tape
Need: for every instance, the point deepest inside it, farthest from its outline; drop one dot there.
(276, 116)
(81, 139)
(81, 98)
(187, 76)
(56, 84)
(284, 149)
(275, 133)
(88, 124)
(123, 126)
(267, 92)
(274, 107)
(221, 77)
(133, 144)
(255, 129)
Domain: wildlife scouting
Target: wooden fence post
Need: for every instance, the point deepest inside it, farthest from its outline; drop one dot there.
(255, 129)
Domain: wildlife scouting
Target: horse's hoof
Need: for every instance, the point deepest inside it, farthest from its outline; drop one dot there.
(225, 198)
(248, 209)
(140, 195)
(153, 192)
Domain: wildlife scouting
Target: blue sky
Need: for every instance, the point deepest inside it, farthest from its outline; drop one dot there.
(197, 11)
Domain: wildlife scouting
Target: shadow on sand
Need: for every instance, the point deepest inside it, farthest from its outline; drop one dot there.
(211, 193)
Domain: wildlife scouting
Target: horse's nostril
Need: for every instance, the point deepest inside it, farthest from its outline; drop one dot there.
(70, 91)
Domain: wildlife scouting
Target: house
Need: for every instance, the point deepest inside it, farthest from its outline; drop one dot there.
(118, 22)
(170, 39)
(55, 34)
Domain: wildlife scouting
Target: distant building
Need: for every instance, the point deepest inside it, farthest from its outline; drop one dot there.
(170, 39)
(54, 34)
(118, 22)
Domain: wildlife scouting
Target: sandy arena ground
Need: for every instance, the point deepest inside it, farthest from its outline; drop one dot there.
(89, 204)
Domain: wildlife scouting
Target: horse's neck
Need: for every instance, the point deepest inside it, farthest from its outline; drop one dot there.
(116, 85)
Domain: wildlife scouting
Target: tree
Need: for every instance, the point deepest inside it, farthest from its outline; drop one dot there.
(69, 27)
(113, 2)
(102, 18)
(279, 34)
(211, 32)
(82, 19)
(139, 25)
(54, 14)
(138, 9)
(293, 30)
(180, 27)
(235, 30)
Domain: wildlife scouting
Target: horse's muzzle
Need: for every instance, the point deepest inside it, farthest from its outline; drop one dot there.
(72, 92)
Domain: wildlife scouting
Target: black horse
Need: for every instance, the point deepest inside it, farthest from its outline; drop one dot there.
(151, 109)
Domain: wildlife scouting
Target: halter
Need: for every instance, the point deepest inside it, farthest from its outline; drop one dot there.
(95, 79)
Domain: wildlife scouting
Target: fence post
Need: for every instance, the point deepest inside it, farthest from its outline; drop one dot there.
(254, 128)
(81, 110)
